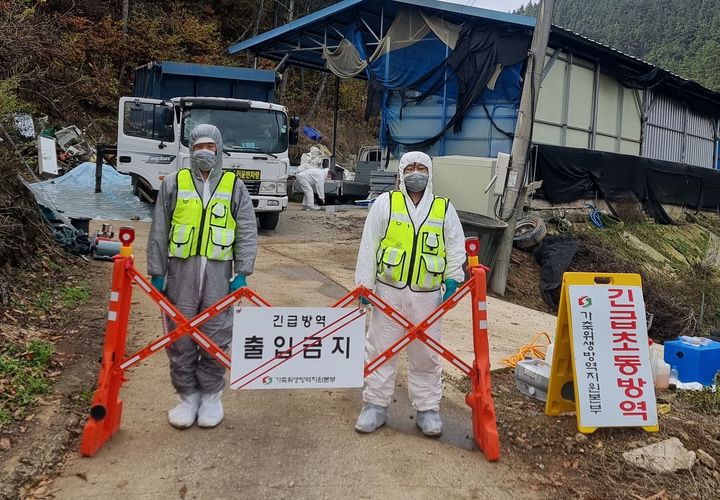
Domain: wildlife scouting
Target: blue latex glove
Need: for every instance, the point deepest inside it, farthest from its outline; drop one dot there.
(364, 301)
(158, 282)
(450, 287)
(237, 283)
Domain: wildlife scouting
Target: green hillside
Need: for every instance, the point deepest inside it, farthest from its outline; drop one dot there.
(682, 36)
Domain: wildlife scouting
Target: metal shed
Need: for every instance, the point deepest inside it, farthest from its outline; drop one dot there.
(592, 95)
(403, 48)
(596, 97)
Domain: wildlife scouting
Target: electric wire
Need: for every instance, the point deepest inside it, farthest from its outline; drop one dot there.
(532, 350)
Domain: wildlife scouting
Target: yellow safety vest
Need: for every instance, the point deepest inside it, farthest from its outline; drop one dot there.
(409, 257)
(208, 231)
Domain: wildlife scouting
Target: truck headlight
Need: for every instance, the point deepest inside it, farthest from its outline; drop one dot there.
(267, 188)
(273, 188)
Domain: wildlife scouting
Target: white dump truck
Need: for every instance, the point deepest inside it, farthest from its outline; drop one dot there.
(171, 98)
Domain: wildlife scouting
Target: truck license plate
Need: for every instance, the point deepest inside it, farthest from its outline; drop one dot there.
(248, 175)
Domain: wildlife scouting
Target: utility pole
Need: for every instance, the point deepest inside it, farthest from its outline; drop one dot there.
(515, 191)
(286, 73)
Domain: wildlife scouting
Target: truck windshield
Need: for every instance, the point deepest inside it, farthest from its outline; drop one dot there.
(255, 130)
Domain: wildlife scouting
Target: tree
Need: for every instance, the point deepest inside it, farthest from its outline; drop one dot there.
(677, 35)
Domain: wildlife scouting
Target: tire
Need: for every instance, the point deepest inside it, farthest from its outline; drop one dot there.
(269, 220)
(529, 232)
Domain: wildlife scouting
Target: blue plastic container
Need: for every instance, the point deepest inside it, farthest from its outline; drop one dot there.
(694, 363)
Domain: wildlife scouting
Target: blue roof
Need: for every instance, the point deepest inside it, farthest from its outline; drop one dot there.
(302, 22)
(208, 71)
(468, 10)
(302, 38)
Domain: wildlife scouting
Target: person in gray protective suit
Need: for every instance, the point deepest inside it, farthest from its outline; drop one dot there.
(203, 238)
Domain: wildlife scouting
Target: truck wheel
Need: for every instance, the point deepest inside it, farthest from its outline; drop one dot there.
(144, 192)
(529, 232)
(147, 195)
(269, 220)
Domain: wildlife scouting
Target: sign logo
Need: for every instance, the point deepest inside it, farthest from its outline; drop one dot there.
(584, 301)
(267, 380)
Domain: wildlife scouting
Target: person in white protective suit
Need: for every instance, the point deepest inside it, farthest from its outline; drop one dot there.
(202, 245)
(412, 245)
(311, 177)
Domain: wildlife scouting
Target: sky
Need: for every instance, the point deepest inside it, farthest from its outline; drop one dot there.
(501, 5)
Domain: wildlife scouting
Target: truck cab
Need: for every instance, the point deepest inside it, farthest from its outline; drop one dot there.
(153, 138)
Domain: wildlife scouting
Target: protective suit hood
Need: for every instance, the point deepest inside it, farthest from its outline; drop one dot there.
(201, 133)
(415, 157)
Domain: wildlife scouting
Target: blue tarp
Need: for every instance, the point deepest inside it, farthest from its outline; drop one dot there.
(73, 195)
(429, 96)
(486, 125)
(312, 133)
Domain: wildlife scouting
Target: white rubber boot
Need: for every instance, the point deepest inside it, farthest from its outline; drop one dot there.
(211, 410)
(371, 418)
(429, 422)
(184, 414)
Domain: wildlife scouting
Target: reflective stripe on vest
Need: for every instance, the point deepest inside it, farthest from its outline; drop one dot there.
(409, 257)
(208, 231)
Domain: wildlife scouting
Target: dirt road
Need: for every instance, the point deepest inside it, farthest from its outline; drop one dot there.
(298, 444)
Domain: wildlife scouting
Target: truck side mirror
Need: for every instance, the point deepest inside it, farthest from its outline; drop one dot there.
(294, 122)
(169, 116)
(294, 136)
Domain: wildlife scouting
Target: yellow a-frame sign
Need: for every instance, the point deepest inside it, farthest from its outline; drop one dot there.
(601, 361)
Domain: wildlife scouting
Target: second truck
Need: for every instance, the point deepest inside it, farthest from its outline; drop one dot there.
(170, 98)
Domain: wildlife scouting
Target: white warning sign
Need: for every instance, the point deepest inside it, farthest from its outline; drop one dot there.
(297, 348)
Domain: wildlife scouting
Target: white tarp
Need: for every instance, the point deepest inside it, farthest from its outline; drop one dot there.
(74, 195)
(410, 26)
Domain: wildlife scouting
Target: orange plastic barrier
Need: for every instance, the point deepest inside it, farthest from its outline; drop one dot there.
(106, 410)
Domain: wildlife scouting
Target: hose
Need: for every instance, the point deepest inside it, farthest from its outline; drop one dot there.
(531, 350)
(595, 216)
(603, 220)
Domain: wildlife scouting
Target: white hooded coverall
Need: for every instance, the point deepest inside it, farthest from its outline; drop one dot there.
(424, 370)
(196, 283)
(311, 176)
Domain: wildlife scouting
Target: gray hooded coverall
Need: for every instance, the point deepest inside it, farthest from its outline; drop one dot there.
(195, 283)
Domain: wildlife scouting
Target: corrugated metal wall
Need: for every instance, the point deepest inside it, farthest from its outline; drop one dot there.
(674, 132)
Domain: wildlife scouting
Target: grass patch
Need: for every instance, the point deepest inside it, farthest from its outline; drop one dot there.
(43, 301)
(50, 301)
(704, 401)
(86, 396)
(74, 296)
(22, 376)
(683, 292)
